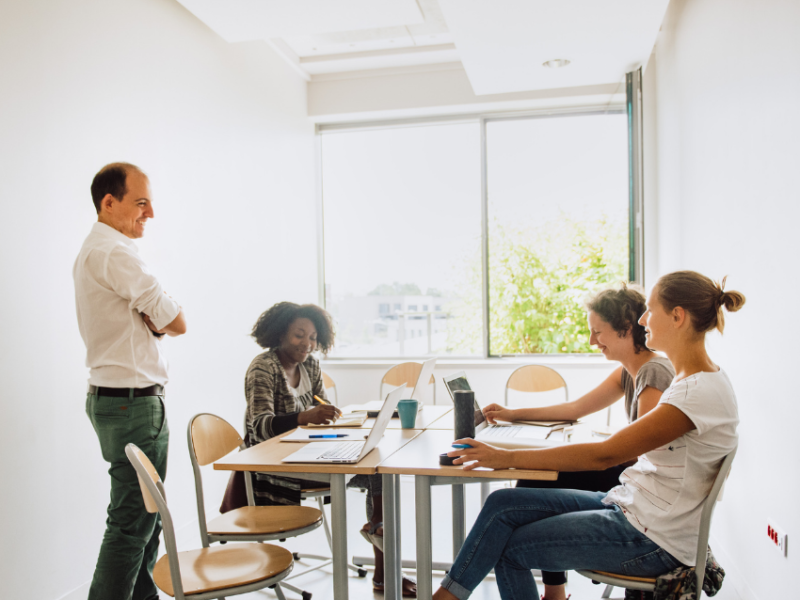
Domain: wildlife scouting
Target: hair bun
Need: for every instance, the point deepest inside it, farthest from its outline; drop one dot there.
(732, 301)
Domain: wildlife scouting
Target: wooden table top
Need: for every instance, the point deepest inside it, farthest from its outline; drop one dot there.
(446, 421)
(421, 457)
(425, 418)
(267, 456)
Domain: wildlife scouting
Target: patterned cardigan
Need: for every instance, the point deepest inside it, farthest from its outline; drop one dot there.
(268, 394)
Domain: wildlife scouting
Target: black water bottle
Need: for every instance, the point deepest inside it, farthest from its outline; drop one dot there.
(464, 402)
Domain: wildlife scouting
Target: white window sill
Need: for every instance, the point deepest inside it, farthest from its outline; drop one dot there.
(581, 361)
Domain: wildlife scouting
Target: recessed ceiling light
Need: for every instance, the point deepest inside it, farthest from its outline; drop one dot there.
(556, 63)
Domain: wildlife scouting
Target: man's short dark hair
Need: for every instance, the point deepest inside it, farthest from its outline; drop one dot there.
(111, 179)
(273, 324)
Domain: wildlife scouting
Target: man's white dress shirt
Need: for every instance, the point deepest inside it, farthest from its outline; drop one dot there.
(112, 287)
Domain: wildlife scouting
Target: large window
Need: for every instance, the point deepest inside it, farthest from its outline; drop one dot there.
(473, 238)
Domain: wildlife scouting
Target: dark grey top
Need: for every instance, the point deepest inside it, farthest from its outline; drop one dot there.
(657, 373)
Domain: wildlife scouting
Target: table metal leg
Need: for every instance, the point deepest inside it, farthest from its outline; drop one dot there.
(393, 576)
(339, 530)
(422, 489)
(459, 518)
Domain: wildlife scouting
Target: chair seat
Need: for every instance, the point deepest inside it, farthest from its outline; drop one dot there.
(316, 490)
(221, 567)
(651, 580)
(264, 520)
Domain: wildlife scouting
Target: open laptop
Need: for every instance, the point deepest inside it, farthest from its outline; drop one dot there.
(504, 436)
(419, 393)
(350, 452)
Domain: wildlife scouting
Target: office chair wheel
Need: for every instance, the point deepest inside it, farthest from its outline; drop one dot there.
(223, 542)
(296, 555)
(306, 595)
(282, 540)
(362, 572)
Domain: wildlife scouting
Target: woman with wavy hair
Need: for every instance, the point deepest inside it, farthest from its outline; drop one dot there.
(641, 378)
(648, 524)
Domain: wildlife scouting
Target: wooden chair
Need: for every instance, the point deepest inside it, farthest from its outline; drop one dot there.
(210, 438)
(330, 386)
(209, 572)
(648, 584)
(404, 373)
(535, 378)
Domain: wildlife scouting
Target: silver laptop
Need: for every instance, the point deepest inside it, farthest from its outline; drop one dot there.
(421, 387)
(350, 452)
(511, 436)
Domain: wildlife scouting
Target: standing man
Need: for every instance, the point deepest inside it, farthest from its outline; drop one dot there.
(122, 314)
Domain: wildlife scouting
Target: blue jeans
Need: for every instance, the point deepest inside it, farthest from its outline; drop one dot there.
(553, 530)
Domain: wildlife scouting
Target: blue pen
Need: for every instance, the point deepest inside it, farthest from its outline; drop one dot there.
(328, 436)
(461, 446)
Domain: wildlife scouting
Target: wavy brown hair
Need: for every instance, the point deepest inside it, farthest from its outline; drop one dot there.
(274, 323)
(621, 308)
(701, 297)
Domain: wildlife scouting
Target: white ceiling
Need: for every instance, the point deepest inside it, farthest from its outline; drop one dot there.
(501, 43)
(246, 20)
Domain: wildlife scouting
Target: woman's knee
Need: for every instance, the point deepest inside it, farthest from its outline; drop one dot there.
(500, 499)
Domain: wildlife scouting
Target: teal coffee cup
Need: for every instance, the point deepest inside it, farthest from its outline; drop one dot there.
(407, 409)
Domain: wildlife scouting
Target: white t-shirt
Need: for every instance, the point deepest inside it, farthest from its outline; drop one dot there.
(662, 495)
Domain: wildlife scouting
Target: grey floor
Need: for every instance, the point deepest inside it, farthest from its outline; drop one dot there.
(320, 583)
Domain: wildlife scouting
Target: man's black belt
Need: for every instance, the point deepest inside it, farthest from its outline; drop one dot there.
(153, 390)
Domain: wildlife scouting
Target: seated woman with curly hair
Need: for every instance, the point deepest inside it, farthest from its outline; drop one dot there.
(280, 386)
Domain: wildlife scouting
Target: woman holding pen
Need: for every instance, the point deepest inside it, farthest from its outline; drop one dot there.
(284, 390)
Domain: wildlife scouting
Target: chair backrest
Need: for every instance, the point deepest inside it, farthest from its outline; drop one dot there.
(210, 438)
(155, 499)
(536, 378)
(405, 373)
(705, 518)
(330, 386)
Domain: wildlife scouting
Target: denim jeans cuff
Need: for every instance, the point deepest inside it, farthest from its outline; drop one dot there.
(455, 588)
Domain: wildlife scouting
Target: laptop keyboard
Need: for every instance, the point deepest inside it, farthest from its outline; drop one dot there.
(504, 432)
(344, 451)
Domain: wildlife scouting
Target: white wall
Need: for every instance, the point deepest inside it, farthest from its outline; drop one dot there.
(726, 88)
(222, 131)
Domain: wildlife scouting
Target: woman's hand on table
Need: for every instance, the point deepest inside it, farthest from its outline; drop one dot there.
(493, 412)
(319, 415)
(480, 455)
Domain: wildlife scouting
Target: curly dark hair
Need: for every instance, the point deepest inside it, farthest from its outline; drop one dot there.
(273, 324)
(621, 308)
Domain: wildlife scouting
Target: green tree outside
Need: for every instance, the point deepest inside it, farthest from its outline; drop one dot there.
(539, 280)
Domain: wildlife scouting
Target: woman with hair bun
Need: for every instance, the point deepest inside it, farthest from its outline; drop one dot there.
(648, 524)
(641, 378)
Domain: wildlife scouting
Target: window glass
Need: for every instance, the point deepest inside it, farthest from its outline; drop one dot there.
(558, 227)
(402, 227)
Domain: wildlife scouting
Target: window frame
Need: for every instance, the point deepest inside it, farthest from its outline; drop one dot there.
(631, 107)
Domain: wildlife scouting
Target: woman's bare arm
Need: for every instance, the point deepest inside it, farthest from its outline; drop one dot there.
(658, 427)
(603, 396)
